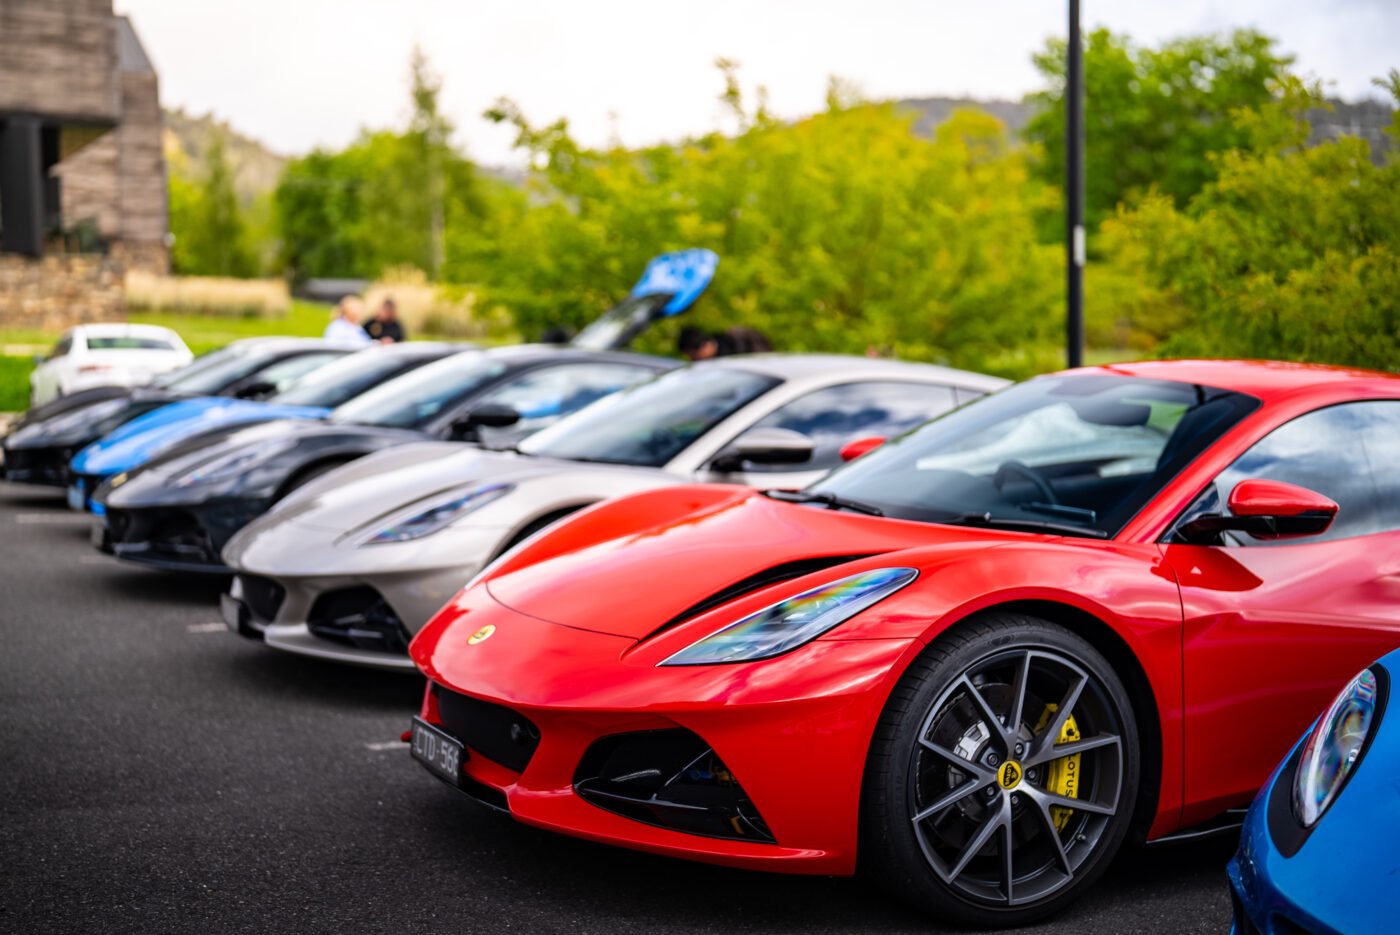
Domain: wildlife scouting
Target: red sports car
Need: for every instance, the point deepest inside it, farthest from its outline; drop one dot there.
(1097, 606)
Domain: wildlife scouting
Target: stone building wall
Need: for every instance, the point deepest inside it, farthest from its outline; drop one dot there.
(57, 57)
(55, 292)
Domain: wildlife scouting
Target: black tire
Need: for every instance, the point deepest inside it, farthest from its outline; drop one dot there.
(926, 801)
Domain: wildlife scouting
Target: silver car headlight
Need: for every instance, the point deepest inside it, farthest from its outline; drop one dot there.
(790, 623)
(1333, 749)
(429, 521)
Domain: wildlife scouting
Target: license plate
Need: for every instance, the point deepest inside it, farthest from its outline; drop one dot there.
(76, 500)
(439, 751)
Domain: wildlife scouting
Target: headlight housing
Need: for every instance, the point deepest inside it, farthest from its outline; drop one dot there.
(444, 513)
(800, 619)
(232, 464)
(1334, 748)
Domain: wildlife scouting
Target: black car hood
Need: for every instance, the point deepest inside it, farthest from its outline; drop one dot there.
(267, 457)
(87, 419)
(57, 407)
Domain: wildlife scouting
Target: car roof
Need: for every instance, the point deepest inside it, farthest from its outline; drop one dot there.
(531, 353)
(121, 328)
(1266, 379)
(417, 348)
(283, 343)
(851, 367)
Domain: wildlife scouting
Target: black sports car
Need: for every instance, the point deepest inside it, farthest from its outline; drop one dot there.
(179, 510)
(39, 447)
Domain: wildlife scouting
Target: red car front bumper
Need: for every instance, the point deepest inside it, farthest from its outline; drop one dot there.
(793, 731)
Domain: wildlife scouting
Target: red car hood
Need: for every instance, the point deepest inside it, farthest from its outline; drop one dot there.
(631, 585)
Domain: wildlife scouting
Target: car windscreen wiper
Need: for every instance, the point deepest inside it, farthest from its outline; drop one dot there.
(991, 521)
(829, 500)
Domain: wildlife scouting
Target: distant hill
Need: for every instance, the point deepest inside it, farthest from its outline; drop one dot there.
(187, 136)
(1367, 118)
(931, 111)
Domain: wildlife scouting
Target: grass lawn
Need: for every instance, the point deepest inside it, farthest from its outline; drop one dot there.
(207, 332)
(201, 332)
(14, 383)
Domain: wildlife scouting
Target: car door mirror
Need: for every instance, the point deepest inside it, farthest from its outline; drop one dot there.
(764, 446)
(1266, 509)
(854, 449)
(259, 389)
(486, 415)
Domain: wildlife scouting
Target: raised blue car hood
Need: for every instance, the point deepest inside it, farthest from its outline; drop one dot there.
(685, 274)
(141, 439)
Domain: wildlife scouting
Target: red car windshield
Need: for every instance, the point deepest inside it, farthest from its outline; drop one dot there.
(1074, 454)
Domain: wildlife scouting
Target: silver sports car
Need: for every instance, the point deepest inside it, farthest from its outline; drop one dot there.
(351, 565)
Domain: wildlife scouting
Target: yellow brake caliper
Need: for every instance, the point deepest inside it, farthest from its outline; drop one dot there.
(1062, 775)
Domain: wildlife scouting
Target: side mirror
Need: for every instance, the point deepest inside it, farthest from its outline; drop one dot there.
(1267, 509)
(260, 389)
(854, 449)
(764, 446)
(487, 415)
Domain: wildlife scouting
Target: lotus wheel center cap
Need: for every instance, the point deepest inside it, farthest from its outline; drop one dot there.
(1009, 776)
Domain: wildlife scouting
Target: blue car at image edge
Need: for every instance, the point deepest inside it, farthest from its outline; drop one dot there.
(1320, 850)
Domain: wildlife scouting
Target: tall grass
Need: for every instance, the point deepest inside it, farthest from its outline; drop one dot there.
(425, 308)
(208, 295)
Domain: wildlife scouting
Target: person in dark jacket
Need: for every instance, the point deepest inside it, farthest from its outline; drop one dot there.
(385, 326)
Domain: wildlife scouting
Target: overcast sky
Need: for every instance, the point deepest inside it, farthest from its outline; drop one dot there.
(302, 73)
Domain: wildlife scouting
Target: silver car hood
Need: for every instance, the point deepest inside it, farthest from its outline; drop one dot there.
(319, 529)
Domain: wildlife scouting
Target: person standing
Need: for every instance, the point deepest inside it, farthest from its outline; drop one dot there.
(345, 328)
(385, 326)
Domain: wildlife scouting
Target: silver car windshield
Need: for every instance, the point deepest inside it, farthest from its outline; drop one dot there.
(201, 364)
(218, 374)
(413, 399)
(1062, 453)
(649, 424)
(344, 379)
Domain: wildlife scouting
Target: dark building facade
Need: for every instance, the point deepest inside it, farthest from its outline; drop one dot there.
(82, 170)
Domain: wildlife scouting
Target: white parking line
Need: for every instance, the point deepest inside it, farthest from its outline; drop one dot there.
(43, 519)
(387, 745)
(207, 628)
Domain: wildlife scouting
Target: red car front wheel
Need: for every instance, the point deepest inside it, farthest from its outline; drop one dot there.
(1002, 777)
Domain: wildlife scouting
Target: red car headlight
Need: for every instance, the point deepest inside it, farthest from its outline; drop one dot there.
(799, 619)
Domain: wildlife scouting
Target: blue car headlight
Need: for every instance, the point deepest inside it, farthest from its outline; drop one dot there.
(444, 513)
(790, 623)
(1333, 749)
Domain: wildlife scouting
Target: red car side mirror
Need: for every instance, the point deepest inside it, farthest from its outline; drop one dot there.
(854, 449)
(1267, 509)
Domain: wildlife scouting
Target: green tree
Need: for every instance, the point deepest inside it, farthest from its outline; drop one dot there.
(211, 236)
(387, 200)
(1154, 118)
(1291, 252)
(841, 232)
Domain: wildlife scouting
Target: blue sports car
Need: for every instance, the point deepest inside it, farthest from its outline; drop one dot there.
(312, 396)
(1320, 852)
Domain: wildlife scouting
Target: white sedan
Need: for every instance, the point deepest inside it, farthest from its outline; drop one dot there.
(105, 355)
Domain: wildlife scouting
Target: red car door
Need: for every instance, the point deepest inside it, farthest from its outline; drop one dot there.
(1272, 629)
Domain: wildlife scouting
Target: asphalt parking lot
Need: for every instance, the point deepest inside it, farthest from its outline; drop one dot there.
(158, 774)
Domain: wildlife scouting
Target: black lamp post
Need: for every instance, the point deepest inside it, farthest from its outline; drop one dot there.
(1074, 191)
